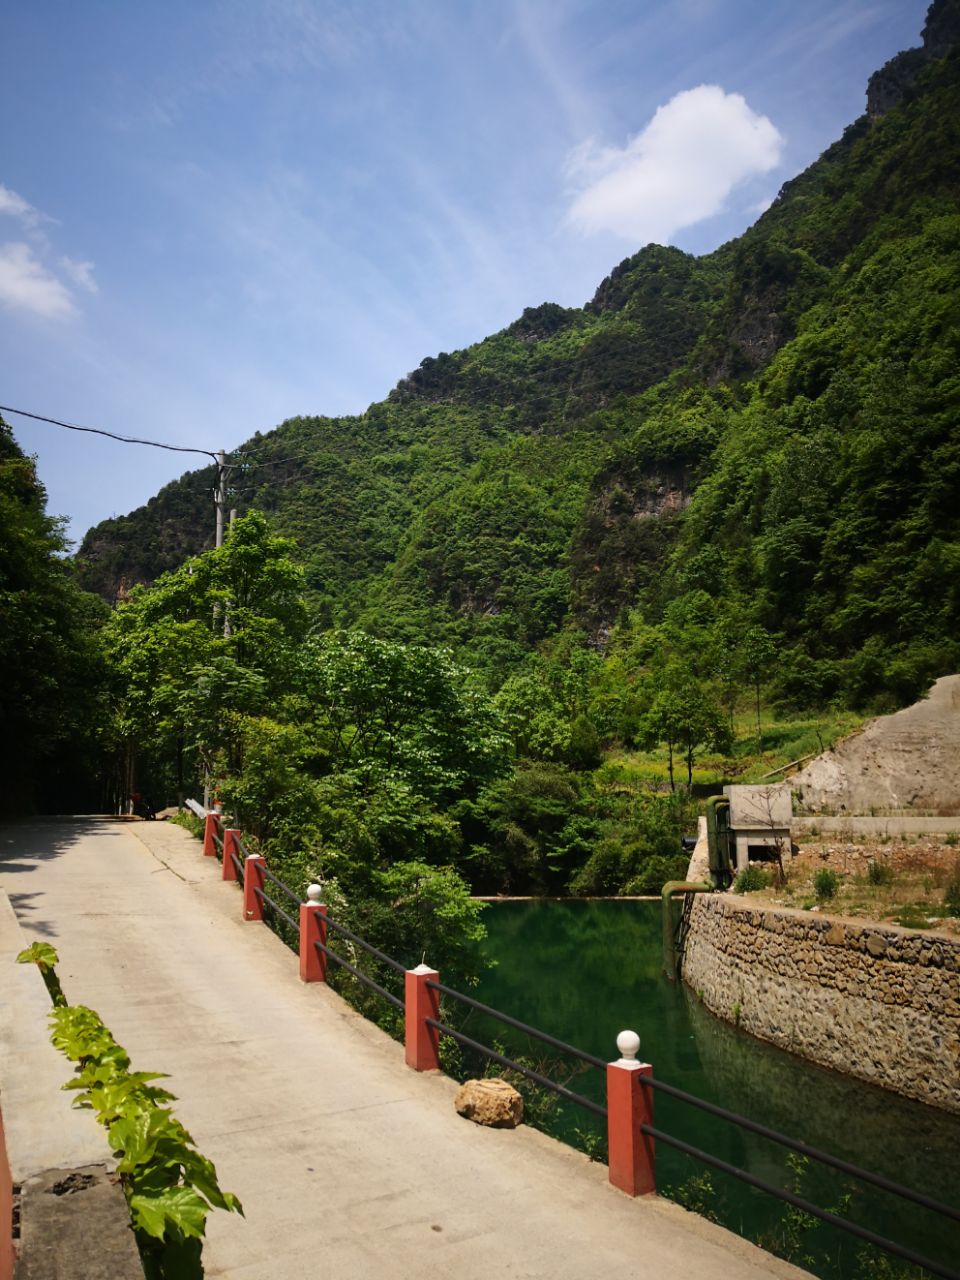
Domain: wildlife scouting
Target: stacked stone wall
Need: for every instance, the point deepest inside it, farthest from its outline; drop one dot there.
(873, 1001)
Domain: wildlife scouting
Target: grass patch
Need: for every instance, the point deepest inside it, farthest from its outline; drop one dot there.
(913, 915)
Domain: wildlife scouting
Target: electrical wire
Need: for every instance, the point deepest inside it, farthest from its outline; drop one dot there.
(111, 435)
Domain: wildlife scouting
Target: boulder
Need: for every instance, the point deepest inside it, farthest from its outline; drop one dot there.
(490, 1102)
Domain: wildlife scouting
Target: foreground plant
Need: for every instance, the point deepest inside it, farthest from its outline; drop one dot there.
(169, 1186)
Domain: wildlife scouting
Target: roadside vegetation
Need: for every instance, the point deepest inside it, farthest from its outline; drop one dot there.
(913, 882)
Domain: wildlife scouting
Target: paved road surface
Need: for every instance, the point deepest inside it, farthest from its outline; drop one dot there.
(348, 1163)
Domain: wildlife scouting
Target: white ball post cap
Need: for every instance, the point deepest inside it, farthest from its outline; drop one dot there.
(314, 894)
(628, 1042)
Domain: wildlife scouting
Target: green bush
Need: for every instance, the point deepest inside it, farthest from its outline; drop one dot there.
(654, 873)
(879, 873)
(951, 896)
(825, 884)
(187, 819)
(752, 879)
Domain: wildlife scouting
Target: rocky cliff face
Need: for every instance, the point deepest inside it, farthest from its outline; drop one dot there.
(890, 84)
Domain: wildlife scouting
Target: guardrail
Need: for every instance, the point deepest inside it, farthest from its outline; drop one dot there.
(630, 1084)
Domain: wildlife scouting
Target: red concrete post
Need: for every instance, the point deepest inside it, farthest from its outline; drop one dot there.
(231, 845)
(252, 880)
(313, 929)
(421, 1042)
(211, 827)
(632, 1166)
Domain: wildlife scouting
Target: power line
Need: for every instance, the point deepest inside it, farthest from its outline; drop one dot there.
(97, 431)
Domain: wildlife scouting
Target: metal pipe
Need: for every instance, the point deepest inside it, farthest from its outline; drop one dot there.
(666, 894)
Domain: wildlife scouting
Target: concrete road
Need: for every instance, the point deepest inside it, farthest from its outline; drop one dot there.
(348, 1163)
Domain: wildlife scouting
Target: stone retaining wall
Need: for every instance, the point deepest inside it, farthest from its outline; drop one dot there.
(873, 1001)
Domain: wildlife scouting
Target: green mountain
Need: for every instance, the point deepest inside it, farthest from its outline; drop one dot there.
(768, 432)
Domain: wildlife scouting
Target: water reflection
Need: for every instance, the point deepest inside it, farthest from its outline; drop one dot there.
(585, 970)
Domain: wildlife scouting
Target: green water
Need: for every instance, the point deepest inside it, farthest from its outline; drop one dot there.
(584, 971)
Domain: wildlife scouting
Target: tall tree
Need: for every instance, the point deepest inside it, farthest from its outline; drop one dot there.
(49, 658)
(213, 639)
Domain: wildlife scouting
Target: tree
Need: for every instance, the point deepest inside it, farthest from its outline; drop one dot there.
(685, 716)
(179, 681)
(402, 709)
(757, 656)
(52, 674)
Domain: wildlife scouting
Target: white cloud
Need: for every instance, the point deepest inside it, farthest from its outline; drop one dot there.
(26, 284)
(677, 172)
(16, 207)
(81, 273)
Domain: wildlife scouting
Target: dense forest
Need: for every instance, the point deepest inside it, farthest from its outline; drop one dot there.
(441, 634)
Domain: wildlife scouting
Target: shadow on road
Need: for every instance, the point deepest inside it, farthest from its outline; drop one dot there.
(27, 842)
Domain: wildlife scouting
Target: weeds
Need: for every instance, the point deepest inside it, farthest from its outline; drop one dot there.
(169, 1186)
(880, 873)
(752, 880)
(698, 1194)
(825, 884)
(189, 821)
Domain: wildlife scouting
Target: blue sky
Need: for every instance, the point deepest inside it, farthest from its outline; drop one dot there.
(217, 215)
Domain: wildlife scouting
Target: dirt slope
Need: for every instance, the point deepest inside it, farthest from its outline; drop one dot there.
(907, 761)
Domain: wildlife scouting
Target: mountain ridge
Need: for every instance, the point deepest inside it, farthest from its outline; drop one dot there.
(585, 464)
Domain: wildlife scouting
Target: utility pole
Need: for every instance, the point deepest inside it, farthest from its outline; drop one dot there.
(220, 495)
(227, 629)
(220, 499)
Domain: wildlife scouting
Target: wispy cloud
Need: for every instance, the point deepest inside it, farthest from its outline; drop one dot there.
(677, 172)
(81, 273)
(537, 27)
(29, 282)
(27, 285)
(14, 206)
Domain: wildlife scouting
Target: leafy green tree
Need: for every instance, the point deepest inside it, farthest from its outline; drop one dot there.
(756, 659)
(52, 674)
(405, 710)
(685, 716)
(531, 817)
(179, 680)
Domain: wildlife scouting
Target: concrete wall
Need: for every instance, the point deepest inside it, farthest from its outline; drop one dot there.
(74, 1223)
(873, 1001)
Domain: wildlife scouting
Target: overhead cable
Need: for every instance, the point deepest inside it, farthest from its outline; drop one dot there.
(111, 435)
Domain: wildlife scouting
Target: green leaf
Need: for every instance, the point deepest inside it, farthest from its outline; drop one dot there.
(39, 953)
(176, 1207)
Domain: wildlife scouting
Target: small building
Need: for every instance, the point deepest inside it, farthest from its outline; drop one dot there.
(760, 818)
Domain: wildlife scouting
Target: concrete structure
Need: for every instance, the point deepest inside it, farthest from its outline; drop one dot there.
(760, 818)
(347, 1162)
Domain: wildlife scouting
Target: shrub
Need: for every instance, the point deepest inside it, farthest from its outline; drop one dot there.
(825, 884)
(654, 873)
(951, 896)
(880, 873)
(752, 879)
(189, 821)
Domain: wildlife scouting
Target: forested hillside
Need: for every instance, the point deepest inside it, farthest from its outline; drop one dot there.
(764, 438)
